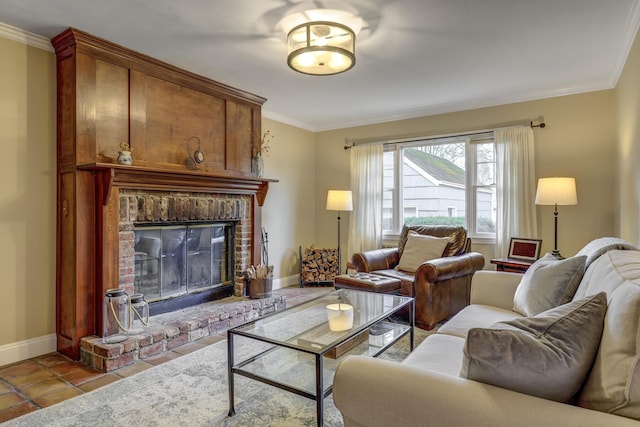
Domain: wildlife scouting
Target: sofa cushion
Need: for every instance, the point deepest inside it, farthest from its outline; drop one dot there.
(419, 249)
(439, 353)
(548, 283)
(613, 384)
(598, 247)
(475, 316)
(548, 355)
(608, 272)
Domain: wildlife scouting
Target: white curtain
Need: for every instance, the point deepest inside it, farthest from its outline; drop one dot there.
(515, 186)
(365, 231)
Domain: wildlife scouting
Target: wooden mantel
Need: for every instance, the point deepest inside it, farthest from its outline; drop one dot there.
(108, 95)
(110, 175)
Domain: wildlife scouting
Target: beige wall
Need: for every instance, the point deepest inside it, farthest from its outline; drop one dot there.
(579, 141)
(289, 212)
(27, 192)
(628, 172)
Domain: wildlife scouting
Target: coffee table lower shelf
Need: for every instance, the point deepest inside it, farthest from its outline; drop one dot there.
(294, 369)
(299, 368)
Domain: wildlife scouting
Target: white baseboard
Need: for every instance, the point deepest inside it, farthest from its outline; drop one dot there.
(15, 352)
(284, 282)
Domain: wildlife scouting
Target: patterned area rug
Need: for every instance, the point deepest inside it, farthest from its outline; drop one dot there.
(192, 391)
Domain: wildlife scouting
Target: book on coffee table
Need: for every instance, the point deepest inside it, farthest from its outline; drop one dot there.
(321, 336)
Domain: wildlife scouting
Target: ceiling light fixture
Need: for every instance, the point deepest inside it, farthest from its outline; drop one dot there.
(321, 48)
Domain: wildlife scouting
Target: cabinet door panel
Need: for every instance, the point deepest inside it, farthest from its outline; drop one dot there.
(165, 116)
(112, 110)
(239, 136)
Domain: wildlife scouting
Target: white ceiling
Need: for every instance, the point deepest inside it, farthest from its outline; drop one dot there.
(413, 57)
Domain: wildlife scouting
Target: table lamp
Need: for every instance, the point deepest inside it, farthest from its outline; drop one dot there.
(556, 191)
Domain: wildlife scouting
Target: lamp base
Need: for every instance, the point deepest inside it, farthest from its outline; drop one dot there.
(556, 254)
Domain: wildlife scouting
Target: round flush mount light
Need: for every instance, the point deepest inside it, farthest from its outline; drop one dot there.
(321, 48)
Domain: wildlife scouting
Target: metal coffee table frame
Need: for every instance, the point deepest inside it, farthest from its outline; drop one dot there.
(372, 309)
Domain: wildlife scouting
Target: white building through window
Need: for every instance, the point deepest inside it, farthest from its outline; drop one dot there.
(444, 181)
(410, 211)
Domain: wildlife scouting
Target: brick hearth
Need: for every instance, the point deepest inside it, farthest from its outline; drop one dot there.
(171, 330)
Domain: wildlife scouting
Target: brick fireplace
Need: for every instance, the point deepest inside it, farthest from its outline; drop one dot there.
(168, 197)
(96, 241)
(165, 208)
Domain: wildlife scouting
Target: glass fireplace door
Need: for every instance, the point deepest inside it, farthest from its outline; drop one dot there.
(179, 259)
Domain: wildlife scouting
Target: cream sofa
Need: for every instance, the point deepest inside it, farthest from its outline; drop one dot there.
(427, 389)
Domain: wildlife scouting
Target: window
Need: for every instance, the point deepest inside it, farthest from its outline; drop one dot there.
(445, 181)
(410, 211)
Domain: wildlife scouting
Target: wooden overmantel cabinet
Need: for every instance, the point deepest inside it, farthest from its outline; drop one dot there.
(108, 95)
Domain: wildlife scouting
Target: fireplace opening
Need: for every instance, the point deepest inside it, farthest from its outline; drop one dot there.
(183, 264)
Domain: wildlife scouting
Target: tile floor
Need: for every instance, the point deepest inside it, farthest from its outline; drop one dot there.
(45, 380)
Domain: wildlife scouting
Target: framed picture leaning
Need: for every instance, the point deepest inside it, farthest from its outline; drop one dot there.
(526, 249)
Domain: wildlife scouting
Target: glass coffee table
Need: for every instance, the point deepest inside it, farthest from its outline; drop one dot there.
(299, 349)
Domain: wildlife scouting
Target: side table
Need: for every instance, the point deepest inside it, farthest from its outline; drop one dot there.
(511, 264)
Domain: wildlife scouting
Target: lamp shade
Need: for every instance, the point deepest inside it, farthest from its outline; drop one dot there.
(339, 200)
(321, 48)
(556, 191)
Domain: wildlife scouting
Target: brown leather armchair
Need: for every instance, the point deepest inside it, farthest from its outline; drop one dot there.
(441, 287)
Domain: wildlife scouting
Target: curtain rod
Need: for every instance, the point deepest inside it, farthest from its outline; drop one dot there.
(366, 141)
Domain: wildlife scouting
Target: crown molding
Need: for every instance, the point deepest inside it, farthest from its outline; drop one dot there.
(474, 104)
(271, 115)
(630, 32)
(446, 108)
(25, 37)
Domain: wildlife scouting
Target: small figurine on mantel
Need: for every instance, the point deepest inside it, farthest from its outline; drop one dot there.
(124, 155)
(257, 163)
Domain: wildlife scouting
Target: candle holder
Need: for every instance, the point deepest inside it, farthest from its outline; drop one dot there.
(340, 317)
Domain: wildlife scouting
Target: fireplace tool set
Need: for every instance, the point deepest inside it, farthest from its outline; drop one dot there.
(259, 278)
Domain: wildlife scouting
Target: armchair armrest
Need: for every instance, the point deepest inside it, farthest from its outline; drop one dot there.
(494, 288)
(442, 287)
(376, 259)
(362, 388)
(446, 268)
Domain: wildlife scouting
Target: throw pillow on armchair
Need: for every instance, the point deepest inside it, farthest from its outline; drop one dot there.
(419, 249)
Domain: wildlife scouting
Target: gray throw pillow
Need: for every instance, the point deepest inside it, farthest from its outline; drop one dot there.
(548, 355)
(548, 283)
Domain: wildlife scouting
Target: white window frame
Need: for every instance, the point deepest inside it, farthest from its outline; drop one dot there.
(391, 237)
(473, 186)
